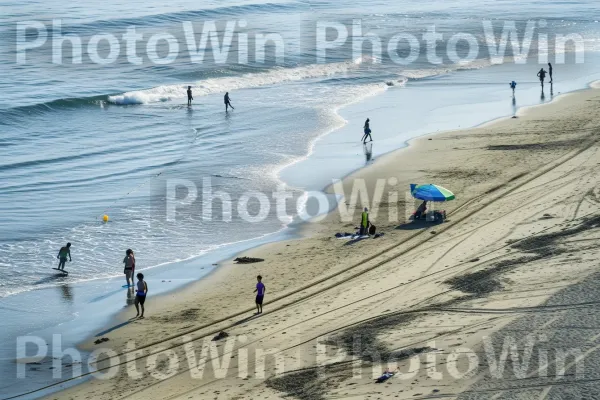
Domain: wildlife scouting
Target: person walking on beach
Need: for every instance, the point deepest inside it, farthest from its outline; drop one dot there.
(227, 101)
(542, 75)
(367, 131)
(140, 295)
(550, 71)
(189, 94)
(260, 294)
(364, 222)
(513, 86)
(63, 253)
(129, 262)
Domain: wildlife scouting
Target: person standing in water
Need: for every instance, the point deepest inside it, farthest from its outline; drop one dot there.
(367, 131)
(227, 101)
(550, 71)
(542, 75)
(129, 262)
(140, 295)
(63, 253)
(189, 94)
(513, 86)
(132, 267)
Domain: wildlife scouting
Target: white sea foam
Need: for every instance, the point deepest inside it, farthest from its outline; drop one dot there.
(250, 80)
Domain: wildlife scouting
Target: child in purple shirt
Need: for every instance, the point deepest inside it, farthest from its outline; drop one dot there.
(260, 293)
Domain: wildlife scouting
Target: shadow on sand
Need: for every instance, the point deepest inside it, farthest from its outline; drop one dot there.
(418, 224)
(114, 328)
(358, 239)
(247, 319)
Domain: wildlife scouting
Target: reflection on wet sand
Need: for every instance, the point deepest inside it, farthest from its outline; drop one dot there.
(368, 150)
(130, 297)
(66, 292)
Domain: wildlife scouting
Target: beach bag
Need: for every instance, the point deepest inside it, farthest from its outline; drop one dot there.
(372, 229)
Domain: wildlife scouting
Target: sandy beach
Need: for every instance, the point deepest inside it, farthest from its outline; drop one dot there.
(512, 261)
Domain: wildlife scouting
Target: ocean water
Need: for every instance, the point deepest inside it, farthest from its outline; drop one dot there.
(80, 140)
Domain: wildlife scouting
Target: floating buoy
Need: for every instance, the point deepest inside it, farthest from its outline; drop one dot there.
(105, 218)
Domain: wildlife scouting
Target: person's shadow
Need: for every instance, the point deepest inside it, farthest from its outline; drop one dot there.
(543, 95)
(551, 89)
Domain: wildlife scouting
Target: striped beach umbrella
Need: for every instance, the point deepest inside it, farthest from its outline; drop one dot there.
(431, 192)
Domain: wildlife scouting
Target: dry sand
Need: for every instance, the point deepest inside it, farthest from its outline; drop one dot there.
(524, 229)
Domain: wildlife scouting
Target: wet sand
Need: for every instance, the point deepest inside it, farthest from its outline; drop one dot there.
(523, 230)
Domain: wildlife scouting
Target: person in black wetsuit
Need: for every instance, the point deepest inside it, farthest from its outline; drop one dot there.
(542, 75)
(367, 132)
(189, 94)
(227, 101)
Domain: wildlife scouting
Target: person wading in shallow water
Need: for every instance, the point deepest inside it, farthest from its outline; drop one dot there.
(367, 132)
(542, 75)
(129, 262)
(63, 253)
(189, 94)
(227, 101)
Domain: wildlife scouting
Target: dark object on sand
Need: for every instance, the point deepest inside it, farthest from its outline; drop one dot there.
(248, 260)
(387, 375)
(101, 340)
(378, 235)
(372, 229)
(345, 234)
(221, 335)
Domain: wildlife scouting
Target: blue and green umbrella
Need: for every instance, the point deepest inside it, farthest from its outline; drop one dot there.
(431, 192)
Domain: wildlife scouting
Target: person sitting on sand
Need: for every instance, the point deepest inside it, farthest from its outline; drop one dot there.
(189, 94)
(421, 210)
(62, 256)
(129, 262)
(260, 294)
(367, 132)
(140, 295)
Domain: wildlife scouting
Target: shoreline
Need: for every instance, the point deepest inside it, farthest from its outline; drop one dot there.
(299, 228)
(270, 248)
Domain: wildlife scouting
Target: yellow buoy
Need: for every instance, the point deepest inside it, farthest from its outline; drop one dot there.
(105, 218)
